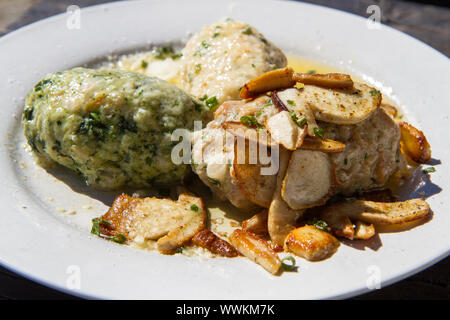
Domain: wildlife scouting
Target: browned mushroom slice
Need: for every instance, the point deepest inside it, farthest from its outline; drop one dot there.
(208, 240)
(256, 224)
(248, 172)
(328, 80)
(415, 143)
(171, 223)
(272, 80)
(311, 243)
(285, 131)
(379, 213)
(322, 145)
(342, 106)
(309, 180)
(364, 230)
(281, 218)
(256, 249)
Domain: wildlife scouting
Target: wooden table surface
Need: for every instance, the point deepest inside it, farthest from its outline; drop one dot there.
(429, 23)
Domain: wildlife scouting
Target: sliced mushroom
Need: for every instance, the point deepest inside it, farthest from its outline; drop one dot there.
(256, 249)
(171, 223)
(208, 240)
(281, 218)
(341, 106)
(285, 131)
(255, 186)
(322, 145)
(291, 100)
(257, 224)
(309, 180)
(415, 143)
(272, 80)
(379, 213)
(311, 243)
(328, 80)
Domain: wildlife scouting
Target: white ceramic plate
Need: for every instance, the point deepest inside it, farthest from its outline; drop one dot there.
(52, 247)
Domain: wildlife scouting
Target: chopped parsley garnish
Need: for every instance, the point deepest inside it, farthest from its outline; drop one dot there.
(203, 98)
(318, 132)
(119, 238)
(366, 155)
(194, 207)
(211, 102)
(247, 31)
(374, 92)
(319, 224)
(144, 64)
(175, 56)
(216, 34)
(291, 103)
(250, 121)
(163, 52)
(429, 170)
(299, 120)
(288, 266)
(253, 65)
(205, 44)
(28, 113)
(198, 68)
(311, 72)
(96, 225)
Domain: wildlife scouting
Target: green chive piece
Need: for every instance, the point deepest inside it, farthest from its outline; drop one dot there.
(205, 44)
(300, 121)
(179, 250)
(319, 224)
(96, 225)
(119, 238)
(250, 121)
(144, 64)
(211, 102)
(429, 170)
(288, 266)
(198, 68)
(247, 31)
(318, 132)
(28, 113)
(194, 207)
(311, 72)
(176, 56)
(374, 92)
